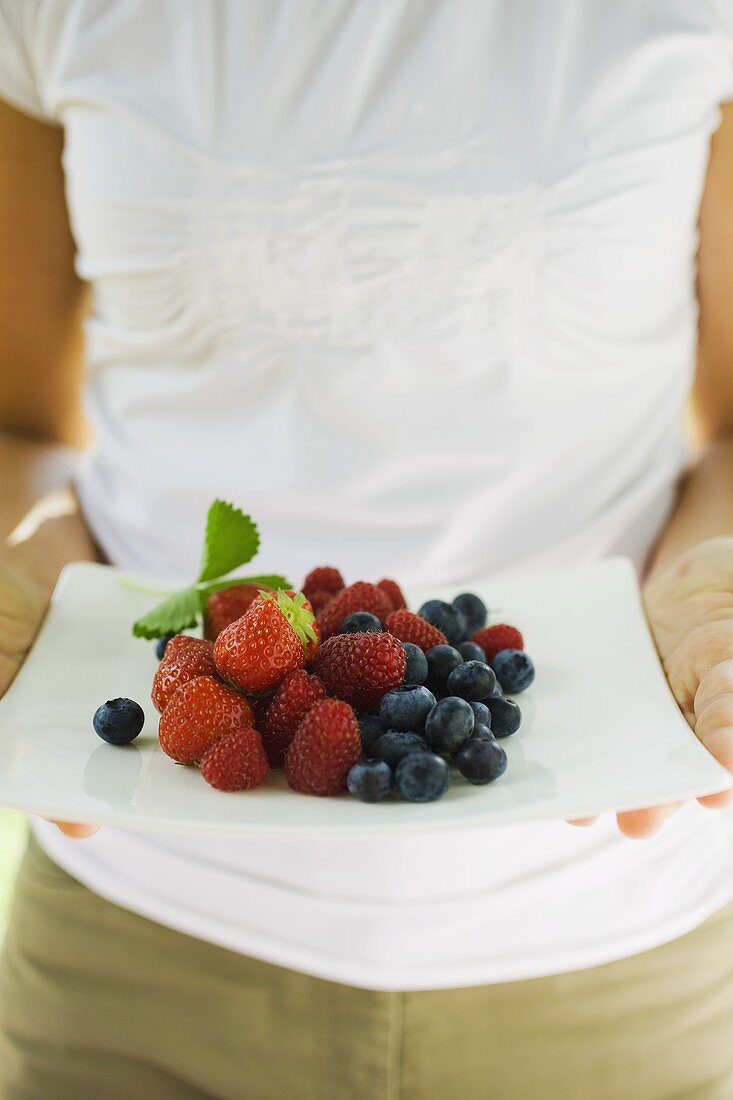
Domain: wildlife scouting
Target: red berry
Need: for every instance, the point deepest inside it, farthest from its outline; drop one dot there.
(393, 592)
(322, 579)
(201, 712)
(293, 699)
(227, 605)
(493, 639)
(258, 650)
(409, 627)
(360, 668)
(184, 659)
(236, 762)
(319, 599)
(357, 597)
(325, 748)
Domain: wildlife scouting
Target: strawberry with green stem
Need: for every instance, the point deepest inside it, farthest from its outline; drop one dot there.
(257, 651)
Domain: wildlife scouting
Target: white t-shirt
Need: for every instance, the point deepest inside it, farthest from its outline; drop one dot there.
(414, 283)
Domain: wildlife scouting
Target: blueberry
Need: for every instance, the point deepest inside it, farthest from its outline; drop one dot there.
(481, 761)
(506, 717)
(370, 780)
(160, 645)
(481, 713)
(361, 622)
(514, 670)
(422, 777)
(482, 732)
(449, 724)
(447, 618)
(394, 744)
(473, 680)
(371, 727)
(473, 609)
(471, 652)
(416, 670)
(118, 721)
(442, 659)
(406, 707)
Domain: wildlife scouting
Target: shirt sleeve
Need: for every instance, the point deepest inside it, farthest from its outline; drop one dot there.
(19, 84)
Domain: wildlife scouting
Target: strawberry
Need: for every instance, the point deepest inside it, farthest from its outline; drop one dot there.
(324, 749)
(323, 579)
(236, 761)
(258, 650)
(297, 693)
(357, 597)
(184, 658)
(493, 639)
(393, 592)
(227, 605)
(360, 668)
(201, 712)
(409, 627)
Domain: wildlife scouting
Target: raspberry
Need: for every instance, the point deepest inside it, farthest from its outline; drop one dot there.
(322, 579)
(199, 713)
(319, 599)
(393, 593)
(493, 639)
(227, 605)
(183, 660)
(357, 597)
(293, 699)
(360, 668)
(236, 762)
(409, 627)
(325, 748)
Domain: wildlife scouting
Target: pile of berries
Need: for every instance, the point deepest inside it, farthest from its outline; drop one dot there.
(341, 686)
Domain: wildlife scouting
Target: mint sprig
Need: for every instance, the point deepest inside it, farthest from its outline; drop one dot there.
(231, 539)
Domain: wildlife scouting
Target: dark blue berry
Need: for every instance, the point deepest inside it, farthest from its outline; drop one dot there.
(361, 622)
(394, 744)
(447, 618)
(470, 651)
(422, 777)
(506, 716)
(449, 724)
(416, 670)
(481, 761)
(482, 732)
(371, 727)
(370, 780)
(481, 713)
(118, 721)
(160, 645)
(442, 659)
(406, 707)
(514, 670)
(473, 680)
(473, 609)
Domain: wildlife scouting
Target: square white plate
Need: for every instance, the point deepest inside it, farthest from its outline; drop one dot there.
(601, 730)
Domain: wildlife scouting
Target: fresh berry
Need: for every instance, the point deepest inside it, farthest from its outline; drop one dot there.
(471, 652)
(201, 712)
(319, 599)
(442, 659)
(227, 605)
(394, 744)
(236, 762)
(184, 659)
(361, 622)
(473, 609)
(323, 579)
(409, 627)
(324, 750)
(495, 638)
(371, 727)
(394, 593)
(481, 713)
(357, 597)
(449, 724)
(514, 670)
(360, 668)
(295, 696)
(506, 716)
(422, 777)
(447, 619)
(257, 651)
(473, 680)
(118, 721)
(416, 669)
(481, 761)
(160, 645)
(370, 780)
(406, 707)
(481, 732)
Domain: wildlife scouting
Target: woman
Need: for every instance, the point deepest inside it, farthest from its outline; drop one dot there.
(415, 282)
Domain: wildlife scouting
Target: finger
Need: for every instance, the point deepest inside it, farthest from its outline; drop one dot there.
(713, 723)
(639, 824)
(582, 822)
(76, 830)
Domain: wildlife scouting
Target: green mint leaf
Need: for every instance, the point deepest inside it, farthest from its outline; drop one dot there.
(265, 580)
(178, 612)
(231, 540)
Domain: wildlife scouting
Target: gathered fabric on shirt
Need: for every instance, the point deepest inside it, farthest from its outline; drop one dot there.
(414, 283)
